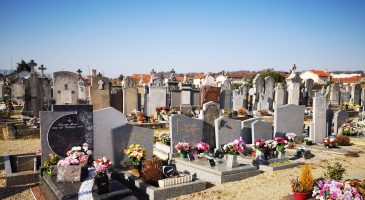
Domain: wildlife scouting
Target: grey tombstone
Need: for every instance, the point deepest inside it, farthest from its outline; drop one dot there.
(262, 130)
(124, 136)
(130, 96)
(280, 95)
(156, 98)
(175, 99)
(246, 126)
(244, 93)
(293, 86)
(264, 103)
(237, 101)
(363, 97)
(289, 119)
(269, 91)
(334, 94)
(226, 95)
(259, 88)
(309, 87)
(210, 113)
(185, 129)
(105, 120)
(226, 130)
(329, 118)
(345, 96)
(340, 117)
(318, 129)
(356, 93)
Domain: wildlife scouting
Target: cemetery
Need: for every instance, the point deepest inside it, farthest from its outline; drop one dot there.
(170, 138)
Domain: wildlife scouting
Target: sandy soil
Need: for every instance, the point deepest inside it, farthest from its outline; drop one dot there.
(276, 185)
(19, 192)
(19, 146)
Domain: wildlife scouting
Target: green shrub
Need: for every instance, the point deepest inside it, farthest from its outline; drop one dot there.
(335, 172)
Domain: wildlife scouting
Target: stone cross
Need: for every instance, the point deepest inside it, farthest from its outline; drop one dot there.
(32, 64)
(101, 84)
(42, 68)
(79, 72)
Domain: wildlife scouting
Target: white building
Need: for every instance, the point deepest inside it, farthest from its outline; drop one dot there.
(319, 76)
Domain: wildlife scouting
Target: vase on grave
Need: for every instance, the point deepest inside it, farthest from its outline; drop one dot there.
(70, 173)
(201, 155)
(183, 155)
(280, 154)
(52, 170)
(260, 155)
(102, 182)
(232, 161)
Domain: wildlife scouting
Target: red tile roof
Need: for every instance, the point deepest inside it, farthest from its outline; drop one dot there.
(353, 79)
(320, 73)
(199, 76)
(145, 77)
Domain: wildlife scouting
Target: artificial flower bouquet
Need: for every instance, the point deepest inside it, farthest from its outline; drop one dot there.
(331, 189)
(102, 166)
(50, 164)
(280, 143)
(183, 148)
(308, 141)
(290, 137)
(260, 145)
(136, 154)
(69, 168)
(232, 148)
(330, 142)
(350, 130)
(201, 147)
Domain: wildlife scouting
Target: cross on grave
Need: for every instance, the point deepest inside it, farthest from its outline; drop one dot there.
(32, 64)
(101, 84)
(79, 72)
(42, 68)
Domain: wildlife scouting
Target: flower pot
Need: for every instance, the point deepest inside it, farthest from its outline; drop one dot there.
(260, 155)
(102, 182)
(232, 161)
(183, 155)
(201, 155)
(301, 196)
(281, 154)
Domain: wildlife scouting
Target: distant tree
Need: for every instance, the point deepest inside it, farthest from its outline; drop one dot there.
(279, 78)
(23, 66)
(237, 85)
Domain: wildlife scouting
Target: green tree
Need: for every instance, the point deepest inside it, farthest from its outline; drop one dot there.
(23, 66)
(279, 78)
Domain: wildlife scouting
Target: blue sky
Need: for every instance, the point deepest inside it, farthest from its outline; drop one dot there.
(125, 37)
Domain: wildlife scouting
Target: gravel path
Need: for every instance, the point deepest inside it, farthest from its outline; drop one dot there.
(19, 146)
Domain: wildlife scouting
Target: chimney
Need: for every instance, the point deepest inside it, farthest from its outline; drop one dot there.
(93, 72)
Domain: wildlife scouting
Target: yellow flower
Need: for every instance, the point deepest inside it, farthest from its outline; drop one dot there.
(138, 145)
(134, 153)
(132, 146)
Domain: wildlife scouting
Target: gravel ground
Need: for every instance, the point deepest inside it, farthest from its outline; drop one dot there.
(19, 146)
(19, 192)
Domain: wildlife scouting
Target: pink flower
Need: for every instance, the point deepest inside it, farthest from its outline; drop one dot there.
(85, 145)
(38, 152)
(89, 152)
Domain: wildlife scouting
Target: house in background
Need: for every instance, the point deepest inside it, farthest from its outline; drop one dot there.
(319, 76)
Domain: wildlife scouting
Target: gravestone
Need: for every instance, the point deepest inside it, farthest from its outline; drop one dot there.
(280, 95)
(334, 94)
(293, 86)
(226, 95)
(340, 117)
(244, 93)
(124, 136)
(226, 130)
(208, 80)
(99, 91)
(210, 113)
(318, 129)
(259, 88)
(262, 130)
(289, 119)
(130, 96)
(116, 97)
(237, 102)
(175, 99)
(185, 129)
(356, 93)
(345, 96)
(196, 99)
(329, 118)
(65, 87)
(105, 120)
(269, 91)
(308, 91)
(264, 102)
(209, 93)
(156, 98)
(246, 126)
(363, 97)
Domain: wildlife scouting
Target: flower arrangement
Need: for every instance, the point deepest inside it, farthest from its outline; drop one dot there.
(260, 145)
(183, 148)
(330, 142)
(280, 144)
(350, 130)
(52, 160)
(136, 154)
(202, 147)
(308, 141)
(331, 189)
(77, 155)
(271, 144)
(242, 111)
(303, 184)
(290, 137)
(102, 166)
(232, 148)
(38, 152)
(165, 138)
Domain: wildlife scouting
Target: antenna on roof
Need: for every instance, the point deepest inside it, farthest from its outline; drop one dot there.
(88, 69)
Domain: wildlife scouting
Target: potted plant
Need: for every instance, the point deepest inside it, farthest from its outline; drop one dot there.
(330, 142)
(280, 146)
(136, 155)
(183, 149)
(102, 170)
(233, 149)
(201, 148)
(271, 145)
(242, 112)
(259, 147)
(50, 165)
(303, 186)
